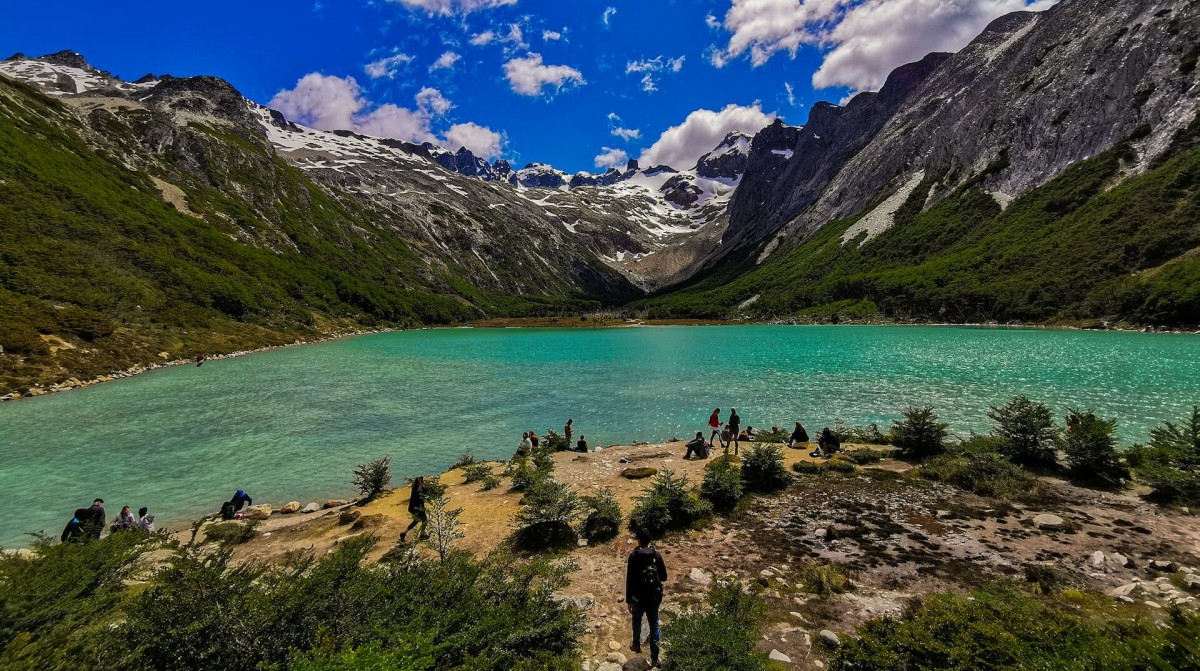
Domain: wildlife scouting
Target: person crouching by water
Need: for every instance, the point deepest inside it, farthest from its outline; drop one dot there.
(416, 508)
(73, 532)
(697, 446)
(125, 521)
(827, 444)
(644, 577)
(799, 436)
(233, 507)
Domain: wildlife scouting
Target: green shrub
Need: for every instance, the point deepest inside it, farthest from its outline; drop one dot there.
(546, 517)
(1002, 627)
(985, 473)
(822, 579)
(919, 434)
(763, 469)
(434, 489)
(476, 472)
(863, 457)
(638, 472)
(372, 478)
(867, 435)
(1027, 428)
(1091, 448)
(1170, 464)
(526, 473)
(464, 459)
(772, 435)
(722, 485)
(489, 483)
(821, 468)
(667, 505)
(554, 442)
(603, 519)
(234, 532)
(723, 637)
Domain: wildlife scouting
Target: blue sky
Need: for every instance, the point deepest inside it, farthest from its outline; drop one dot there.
(557, 83)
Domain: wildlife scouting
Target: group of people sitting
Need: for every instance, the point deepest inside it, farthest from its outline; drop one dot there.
(827, 441)
(87, 524)
(698, 448)
(529, 440)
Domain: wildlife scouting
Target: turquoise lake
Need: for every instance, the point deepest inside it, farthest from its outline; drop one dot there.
(291, 424)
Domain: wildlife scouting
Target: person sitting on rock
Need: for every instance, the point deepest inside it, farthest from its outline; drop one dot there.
(697, 446)
(799, 435)
(526, 446)
(125, 520)
(582, 445)
(747, 434)
(533, 439)
(145, 520)
(827, 444)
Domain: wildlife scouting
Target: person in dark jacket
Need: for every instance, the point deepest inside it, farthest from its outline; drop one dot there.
(734, 424)
(568, 431)
(644, 577)
(93, 520)
(799, 435)
(582, 445)
(73, 532)
(827, 444)
(416, 508)
(697, 446)
(241, 499)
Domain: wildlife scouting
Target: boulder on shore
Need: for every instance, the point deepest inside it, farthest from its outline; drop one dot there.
(311, 508)
(289, 507)
(259, 512)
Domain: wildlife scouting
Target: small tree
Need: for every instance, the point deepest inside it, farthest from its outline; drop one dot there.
(545, 519)
(603, 519)
(372, 478)
(763, 469)
(443, 527)
(1027, 428)
(722, 485)
(724, 636)
(1169, 464)
(1091, 448)
(668, 504)
(919, 434)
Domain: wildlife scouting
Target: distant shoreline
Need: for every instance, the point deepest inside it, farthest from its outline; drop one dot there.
(560, 322)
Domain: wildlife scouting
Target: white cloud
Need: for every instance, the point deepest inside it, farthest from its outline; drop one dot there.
(529, 75)
(480, 140)
(869, 38)
(483, 38)
(617, 127)
(445, 61)
(551, 35)
(432, 99)
(611, 158)
(648, 84)
(609, 12)
(387, 67)
(648, 66)
(712, 22)
(791, 94)
(681, 146)
(675, 64)
(449, 7)
(336, 103)
(516, 36)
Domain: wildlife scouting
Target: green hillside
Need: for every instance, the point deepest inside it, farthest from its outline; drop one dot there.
(91, 254)
(1076, 248)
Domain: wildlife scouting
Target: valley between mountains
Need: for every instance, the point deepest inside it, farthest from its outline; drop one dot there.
(1049, 172)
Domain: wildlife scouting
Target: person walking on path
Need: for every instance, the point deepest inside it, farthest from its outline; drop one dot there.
(416, 508)
(734, 424)
(714, 425)
(644, 577)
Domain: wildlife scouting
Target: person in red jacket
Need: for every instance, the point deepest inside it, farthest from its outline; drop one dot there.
(714, 424)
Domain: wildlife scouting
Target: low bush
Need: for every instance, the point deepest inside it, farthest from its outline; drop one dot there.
(1002, 627)
(443, 528)
(763, 469)
(603, 519)
(234, 532)
(984, 473)
(864, 457)
(722, 485)
(372, 478)
(554, 442)
(667, 505)
(1027, 430)
(526, 472)
(489, 483)
(772, 435)
(434, 489)
(919, 434)
(546, 517)
(725, 636)
(476, 472)
(822, 579)
(1091, 449)
(464, 459)
(867, 435)
(1170, 464)
(821, 468)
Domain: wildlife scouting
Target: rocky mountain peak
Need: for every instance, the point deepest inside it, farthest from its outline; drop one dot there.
(70, 59)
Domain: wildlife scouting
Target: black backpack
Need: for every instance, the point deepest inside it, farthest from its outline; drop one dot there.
(228, 510)
(649, 585)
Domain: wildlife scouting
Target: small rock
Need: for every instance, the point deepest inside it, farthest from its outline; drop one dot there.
(609, 666)
(290, 507)
(1048, 522)
(1125, 599)
(1120, 560)
(818, 663)
(767, 573)
(614, 646)
(615, 658)
(780, 657)
(311, 508)
(582, 542)
(699, 577)
(349, 516)
(1097, 558)
(1191, 581)
(637, 664)
(829, 638)
(820, 533)
(334, 504)
(1162, 565)
(1124, 590)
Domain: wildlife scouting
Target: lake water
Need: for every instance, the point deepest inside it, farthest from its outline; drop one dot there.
(291, 424)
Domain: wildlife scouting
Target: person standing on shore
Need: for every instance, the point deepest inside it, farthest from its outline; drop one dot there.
(416, 508)
(714, 425)
(93, 525)
(568, 431)
(645, 574)
(734, 424)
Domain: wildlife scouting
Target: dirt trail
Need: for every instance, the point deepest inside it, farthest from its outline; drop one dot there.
(896, 535)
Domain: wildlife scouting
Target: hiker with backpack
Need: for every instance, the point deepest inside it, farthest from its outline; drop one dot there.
(644, 577)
